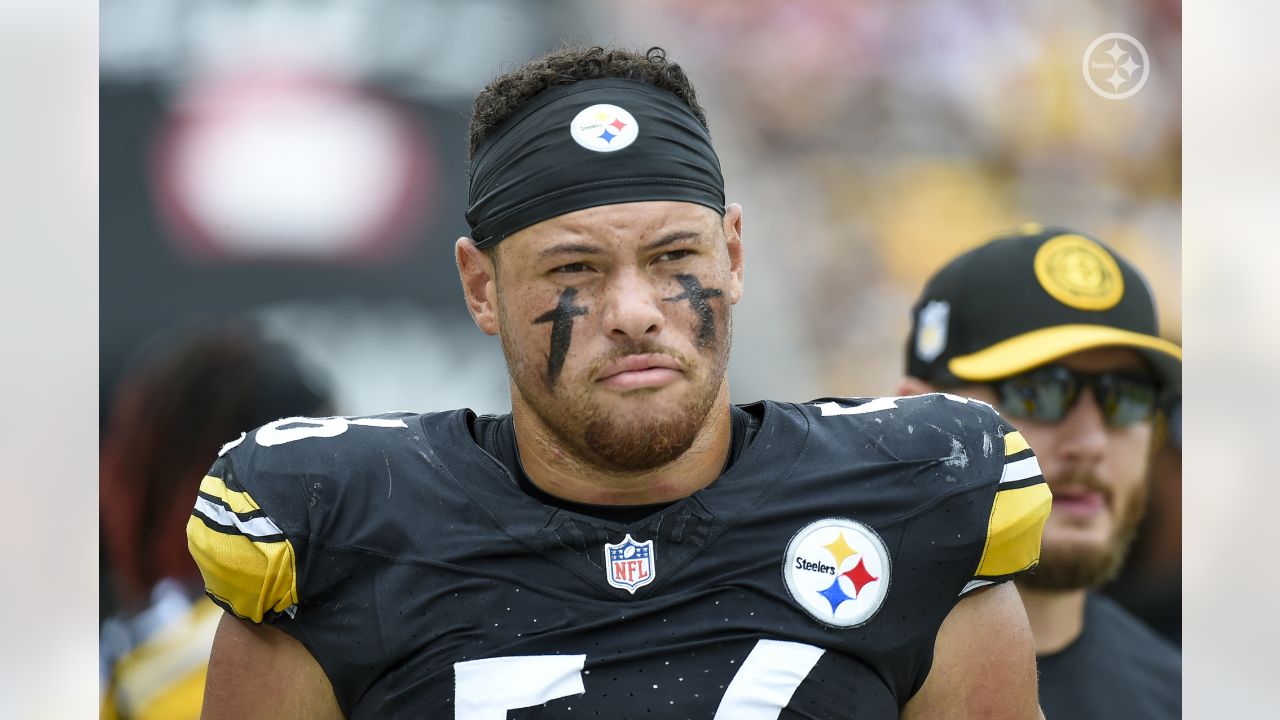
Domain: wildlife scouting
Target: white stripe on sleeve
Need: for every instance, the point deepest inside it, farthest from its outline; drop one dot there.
(1020, 470)
(256, 527)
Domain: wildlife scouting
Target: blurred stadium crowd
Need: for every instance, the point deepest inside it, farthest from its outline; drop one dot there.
(301, 165)
(885, 137)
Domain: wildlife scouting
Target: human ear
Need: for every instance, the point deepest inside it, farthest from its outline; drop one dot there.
(479, 279)
(732, 227)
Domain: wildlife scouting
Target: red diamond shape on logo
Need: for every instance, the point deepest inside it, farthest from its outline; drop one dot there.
(618, 124)
(859, 576)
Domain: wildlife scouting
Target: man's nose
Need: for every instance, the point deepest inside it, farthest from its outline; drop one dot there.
(632, 307)
(1082, 434)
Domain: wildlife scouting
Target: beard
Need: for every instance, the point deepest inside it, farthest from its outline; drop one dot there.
(1071, 567)
(610, 439)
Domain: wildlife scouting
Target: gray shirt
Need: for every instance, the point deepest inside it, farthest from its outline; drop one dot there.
(1117, 668)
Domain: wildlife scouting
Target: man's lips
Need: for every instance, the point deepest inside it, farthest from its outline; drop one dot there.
(637, 371)
(1078, 501)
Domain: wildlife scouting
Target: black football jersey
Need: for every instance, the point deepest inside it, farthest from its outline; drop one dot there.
(808, 581)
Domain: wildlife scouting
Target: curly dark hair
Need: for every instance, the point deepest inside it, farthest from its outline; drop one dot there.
(502, 97)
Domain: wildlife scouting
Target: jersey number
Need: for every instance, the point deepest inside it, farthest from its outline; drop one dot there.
(277, 434)
(486, 689)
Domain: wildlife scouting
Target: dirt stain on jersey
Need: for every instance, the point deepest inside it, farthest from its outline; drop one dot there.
(958, 457)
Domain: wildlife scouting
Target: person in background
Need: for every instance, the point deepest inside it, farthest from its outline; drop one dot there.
(1059, 334)
(1150, 584)
(179, 401)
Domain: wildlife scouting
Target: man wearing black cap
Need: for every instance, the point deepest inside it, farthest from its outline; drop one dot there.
(1059, 333)
(626, 543)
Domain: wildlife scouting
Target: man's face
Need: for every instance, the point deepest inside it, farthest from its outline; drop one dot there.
(1098, 478)
(616, 325)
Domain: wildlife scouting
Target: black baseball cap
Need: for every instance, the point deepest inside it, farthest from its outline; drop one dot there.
(1028, 298)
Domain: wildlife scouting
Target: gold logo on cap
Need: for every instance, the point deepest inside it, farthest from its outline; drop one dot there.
(1078, 272)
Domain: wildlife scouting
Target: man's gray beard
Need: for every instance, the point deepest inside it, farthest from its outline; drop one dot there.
(1073, 569)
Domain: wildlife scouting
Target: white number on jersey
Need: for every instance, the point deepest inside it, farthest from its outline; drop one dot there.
(486, 689)
(277, 433)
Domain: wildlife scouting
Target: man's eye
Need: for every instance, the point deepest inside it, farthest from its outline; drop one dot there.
(674, 255)
(572, 268)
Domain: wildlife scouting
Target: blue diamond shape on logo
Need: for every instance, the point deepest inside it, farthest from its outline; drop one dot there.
(834, 595)
(607, 135)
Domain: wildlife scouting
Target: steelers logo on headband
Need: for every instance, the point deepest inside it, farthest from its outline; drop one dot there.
(604, 128)
(526, 171)
(1079, 273)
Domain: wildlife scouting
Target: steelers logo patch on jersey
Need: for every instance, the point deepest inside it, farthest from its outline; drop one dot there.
(604, 128)
(838, 571)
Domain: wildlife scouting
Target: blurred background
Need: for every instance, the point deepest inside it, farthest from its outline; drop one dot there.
(300, 167)
(304, 162)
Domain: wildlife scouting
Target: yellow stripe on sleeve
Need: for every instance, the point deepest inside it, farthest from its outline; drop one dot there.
(1014, 443)
(1013, 534)
(238, 501)
(253, 578)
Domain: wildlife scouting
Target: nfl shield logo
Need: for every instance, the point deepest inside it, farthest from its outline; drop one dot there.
(931, 337)
(629, 564)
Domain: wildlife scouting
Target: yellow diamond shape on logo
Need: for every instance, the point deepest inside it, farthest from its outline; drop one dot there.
(840, 549)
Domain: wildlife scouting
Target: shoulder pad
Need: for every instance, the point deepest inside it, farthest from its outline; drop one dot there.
(969, 443)
(961, 434)
(269, 492)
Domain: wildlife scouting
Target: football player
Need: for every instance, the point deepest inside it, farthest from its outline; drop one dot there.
(626, 543)
(1059, 333)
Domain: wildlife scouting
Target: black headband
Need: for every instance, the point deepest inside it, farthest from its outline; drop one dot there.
(590, 143)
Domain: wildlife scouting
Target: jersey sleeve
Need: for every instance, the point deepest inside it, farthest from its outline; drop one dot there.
(249, 563)
(962, 481)
(1019, 509)
(278, 495)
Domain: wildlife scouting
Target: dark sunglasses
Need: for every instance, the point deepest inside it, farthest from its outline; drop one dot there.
(1048, 393)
